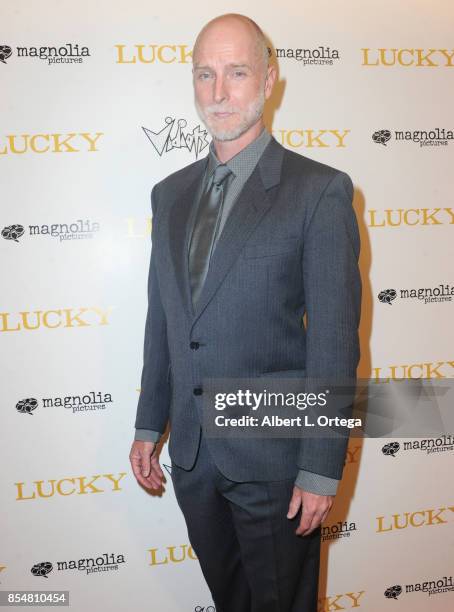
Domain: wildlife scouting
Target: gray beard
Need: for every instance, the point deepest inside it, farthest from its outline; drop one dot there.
(252, 116)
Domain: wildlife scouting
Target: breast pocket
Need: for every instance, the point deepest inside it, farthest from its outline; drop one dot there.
(272, 248)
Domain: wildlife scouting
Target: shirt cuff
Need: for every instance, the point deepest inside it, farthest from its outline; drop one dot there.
(316, 483)
(147, 435)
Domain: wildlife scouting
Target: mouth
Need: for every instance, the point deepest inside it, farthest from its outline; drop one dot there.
(222, 115)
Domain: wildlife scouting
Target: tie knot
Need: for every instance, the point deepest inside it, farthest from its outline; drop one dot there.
(220, 173)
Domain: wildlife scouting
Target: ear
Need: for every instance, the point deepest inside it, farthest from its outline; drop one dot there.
(270, 79)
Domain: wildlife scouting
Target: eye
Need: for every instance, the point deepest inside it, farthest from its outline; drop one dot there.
(239, 73)
(203, 76)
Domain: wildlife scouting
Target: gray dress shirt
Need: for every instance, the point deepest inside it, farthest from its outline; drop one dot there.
(242, 165)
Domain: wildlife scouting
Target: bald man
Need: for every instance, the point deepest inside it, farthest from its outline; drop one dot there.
(245, 242)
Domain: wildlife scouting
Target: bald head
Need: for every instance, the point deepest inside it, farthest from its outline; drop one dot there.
(231, 78)
(233, 26)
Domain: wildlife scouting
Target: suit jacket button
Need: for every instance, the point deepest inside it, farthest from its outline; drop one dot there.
(198, 391)
(194, 345)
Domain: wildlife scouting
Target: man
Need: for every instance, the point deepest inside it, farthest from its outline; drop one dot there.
(245, 241)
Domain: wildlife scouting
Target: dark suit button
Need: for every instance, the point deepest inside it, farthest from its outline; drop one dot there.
(194, 345)
(198, 391)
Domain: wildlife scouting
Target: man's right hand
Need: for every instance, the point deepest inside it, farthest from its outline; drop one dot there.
(145, 464)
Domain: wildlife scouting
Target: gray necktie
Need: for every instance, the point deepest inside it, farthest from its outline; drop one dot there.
(204, 232)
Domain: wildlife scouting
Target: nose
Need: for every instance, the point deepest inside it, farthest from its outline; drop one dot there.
(220, 91)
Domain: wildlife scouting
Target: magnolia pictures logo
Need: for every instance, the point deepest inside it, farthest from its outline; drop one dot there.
(339, 530)
(94, 400)
(174, 135)
(387, 296)
(316, 56)
(69, 53)
(441, 444)
(42, 569)
(425, 138)
(93, 565)
(5, 53)
(431, 587)
(82, 229)
(427, 295)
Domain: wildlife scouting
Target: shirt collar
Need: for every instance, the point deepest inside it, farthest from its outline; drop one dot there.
(245, 160)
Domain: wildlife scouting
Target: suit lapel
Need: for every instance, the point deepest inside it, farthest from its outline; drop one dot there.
(246, 213)
(181, 218)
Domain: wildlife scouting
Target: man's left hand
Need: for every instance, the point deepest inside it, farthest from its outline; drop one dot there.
(315, 509)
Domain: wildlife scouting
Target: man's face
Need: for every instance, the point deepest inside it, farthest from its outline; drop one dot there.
(228, 81)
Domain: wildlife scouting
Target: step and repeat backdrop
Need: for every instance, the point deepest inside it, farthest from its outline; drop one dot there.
(96, 107)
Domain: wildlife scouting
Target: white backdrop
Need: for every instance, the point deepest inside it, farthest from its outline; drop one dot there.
(82, 143)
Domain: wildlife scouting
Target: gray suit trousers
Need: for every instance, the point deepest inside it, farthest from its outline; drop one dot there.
(249, 554)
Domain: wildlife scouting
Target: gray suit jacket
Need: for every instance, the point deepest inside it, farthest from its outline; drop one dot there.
(290, 245)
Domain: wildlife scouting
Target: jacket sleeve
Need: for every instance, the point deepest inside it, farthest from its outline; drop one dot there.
(316, 483)
(332, 289)
(154, 400)
(147, 435)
